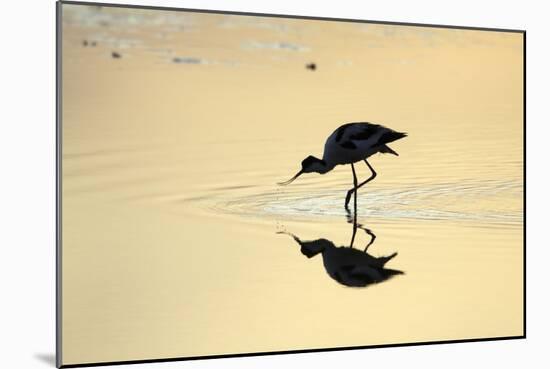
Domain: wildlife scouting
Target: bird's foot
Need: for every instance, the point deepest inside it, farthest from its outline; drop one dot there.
(348, 198)
(349, 215)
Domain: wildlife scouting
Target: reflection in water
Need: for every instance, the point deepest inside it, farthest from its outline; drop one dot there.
(346, 264)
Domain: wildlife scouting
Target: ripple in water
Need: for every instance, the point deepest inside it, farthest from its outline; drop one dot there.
(457, 202)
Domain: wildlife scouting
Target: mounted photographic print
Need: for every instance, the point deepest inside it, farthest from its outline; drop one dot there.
(240, 184)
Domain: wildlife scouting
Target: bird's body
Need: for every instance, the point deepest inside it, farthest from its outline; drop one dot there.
(354, 268)
(347, 265)
(349, 144)
(353, 142)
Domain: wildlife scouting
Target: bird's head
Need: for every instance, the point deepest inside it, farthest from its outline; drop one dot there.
(310, 164)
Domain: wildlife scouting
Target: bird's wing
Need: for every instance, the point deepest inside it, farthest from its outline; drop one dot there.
(348, 145)
(356, 131)
(366, 134)
(352, 135)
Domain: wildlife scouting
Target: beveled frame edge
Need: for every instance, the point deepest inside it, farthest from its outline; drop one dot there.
(289, 16)
(59, 357)
(305, 351)
(58, 183)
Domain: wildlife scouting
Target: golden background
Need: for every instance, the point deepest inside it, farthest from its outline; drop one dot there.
(171, 153)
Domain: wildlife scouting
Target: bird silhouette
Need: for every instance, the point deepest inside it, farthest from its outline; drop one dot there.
(347, 265)
(348, 144)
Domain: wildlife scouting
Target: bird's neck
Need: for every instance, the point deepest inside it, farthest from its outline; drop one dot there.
(323, 167)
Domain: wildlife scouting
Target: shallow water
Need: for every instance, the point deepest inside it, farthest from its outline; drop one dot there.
(172, 220)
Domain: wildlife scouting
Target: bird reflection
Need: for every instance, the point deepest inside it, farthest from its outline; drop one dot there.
(347, 265)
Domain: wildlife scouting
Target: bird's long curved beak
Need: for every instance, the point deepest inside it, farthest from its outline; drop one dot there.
(289, 234)
(291, 179)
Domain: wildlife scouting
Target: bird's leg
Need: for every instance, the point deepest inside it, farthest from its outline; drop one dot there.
(373, 237)
(354, 207)
(354, 229)
(359, 225)
(354, 197)
(354, 189)
(349, 218)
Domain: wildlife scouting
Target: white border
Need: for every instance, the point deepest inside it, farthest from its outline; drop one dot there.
(27, 186)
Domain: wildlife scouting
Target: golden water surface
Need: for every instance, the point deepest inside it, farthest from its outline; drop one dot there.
(172, 219)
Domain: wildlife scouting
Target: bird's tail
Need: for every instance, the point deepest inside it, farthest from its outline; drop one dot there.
(385, 259)
(388, 150)
(391, 136)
